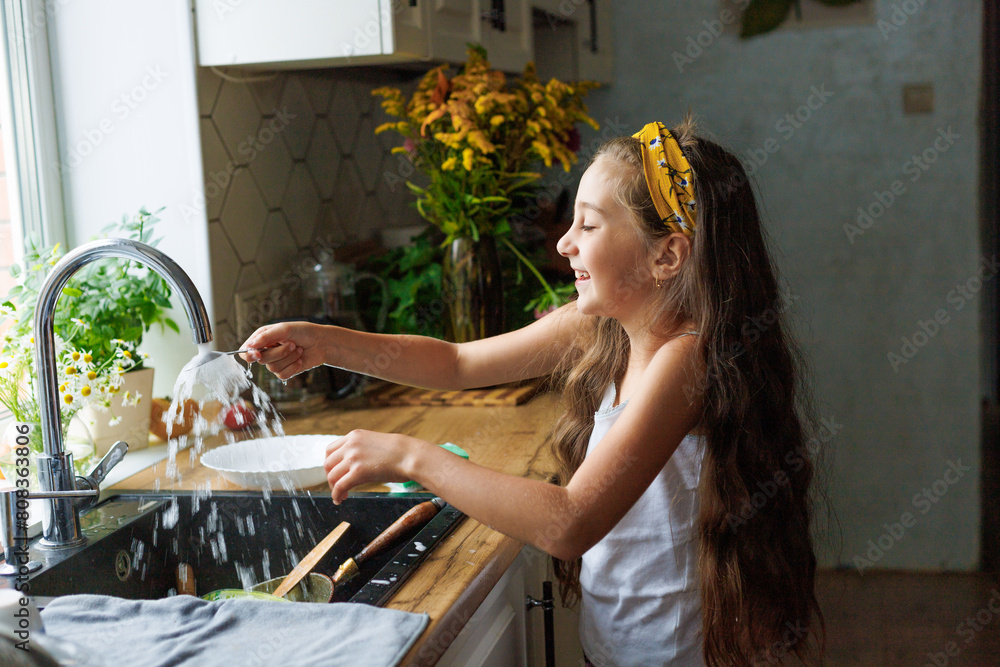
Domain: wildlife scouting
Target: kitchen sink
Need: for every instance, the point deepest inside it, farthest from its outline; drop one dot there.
(231, 540)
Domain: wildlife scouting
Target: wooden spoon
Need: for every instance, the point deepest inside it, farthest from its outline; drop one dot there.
(309, 562)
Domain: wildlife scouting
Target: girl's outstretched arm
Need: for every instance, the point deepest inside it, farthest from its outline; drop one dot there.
(419, 361)
(564, 522)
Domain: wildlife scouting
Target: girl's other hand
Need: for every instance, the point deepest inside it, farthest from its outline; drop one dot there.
(295, 347)
(361, 457)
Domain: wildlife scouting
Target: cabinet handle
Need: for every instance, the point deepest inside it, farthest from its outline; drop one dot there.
(496, 15)
(547, 603)
(593, 25)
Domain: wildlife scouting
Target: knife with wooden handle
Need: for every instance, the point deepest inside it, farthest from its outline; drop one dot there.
(414, 518)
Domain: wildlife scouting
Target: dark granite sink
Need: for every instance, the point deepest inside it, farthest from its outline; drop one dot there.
(231, 540)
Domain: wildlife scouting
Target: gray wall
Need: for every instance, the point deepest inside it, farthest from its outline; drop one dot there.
(896, 430)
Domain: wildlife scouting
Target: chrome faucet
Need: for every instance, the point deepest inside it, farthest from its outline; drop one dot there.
(61, 520)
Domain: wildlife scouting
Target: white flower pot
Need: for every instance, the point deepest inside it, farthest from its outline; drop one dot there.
(134, 425)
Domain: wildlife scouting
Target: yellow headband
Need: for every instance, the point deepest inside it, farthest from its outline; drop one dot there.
(669, 178)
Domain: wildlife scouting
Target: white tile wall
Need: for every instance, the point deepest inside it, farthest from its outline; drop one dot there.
(291, 162)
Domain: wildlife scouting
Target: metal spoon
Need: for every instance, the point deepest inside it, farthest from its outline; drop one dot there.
(212, 355)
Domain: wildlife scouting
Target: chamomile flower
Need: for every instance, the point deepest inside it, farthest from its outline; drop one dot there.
(80, 323)
(114, 421)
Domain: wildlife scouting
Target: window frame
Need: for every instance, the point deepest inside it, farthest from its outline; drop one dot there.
(27, 115)
(29, 120)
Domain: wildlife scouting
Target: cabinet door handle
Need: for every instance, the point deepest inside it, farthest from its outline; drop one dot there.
(496, 15)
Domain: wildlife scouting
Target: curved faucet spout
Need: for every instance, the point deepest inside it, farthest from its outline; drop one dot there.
(55, 466)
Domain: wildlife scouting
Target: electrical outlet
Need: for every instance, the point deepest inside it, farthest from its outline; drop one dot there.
(918, 98)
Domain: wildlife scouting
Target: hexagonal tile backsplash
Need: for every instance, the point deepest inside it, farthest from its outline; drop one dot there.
(291, 163)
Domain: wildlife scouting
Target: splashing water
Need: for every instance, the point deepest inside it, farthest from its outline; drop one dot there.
(224, 380)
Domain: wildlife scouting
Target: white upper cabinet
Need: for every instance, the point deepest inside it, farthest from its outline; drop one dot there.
(301, 34)
(298, 34)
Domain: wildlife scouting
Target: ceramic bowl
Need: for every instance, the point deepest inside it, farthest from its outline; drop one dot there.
(272, 463)
(313, 588)
(240, 594)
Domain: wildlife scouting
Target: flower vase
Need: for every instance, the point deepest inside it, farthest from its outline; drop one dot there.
(131, 422)
(472, 289)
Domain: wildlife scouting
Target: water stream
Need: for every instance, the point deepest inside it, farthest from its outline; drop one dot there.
(225, 380)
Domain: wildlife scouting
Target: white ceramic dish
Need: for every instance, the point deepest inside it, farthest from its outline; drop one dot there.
(272, 463)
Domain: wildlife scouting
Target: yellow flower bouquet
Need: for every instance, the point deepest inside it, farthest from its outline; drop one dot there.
(478, 137)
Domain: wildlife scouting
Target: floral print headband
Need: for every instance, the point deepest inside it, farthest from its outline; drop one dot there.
(669, 178)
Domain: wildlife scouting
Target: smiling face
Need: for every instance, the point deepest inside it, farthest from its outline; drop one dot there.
(611, 260)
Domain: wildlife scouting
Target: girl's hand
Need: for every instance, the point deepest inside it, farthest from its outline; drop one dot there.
(296, 347)
(366, 456)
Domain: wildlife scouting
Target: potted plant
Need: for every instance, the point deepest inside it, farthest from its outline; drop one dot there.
(478, 137)
(100, 319)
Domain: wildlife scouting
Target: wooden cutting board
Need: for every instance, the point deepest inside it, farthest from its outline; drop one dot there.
(386, 394)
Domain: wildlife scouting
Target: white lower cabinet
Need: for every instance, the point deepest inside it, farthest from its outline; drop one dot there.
(497, 634)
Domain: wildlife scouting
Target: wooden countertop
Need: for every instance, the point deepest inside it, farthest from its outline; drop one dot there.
(456, 577)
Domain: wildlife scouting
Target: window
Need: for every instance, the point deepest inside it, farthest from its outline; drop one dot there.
(30, 187)
(7, 237)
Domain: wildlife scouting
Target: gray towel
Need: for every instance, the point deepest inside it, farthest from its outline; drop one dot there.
(185, 630)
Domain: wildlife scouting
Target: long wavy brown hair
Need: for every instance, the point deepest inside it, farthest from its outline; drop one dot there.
(757, 566)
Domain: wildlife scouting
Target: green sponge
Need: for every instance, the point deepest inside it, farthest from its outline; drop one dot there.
(411, 486)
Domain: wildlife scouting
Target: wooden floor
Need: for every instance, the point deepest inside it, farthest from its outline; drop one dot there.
(905, 618)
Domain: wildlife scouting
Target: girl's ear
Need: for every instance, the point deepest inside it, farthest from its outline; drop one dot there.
(669, 255)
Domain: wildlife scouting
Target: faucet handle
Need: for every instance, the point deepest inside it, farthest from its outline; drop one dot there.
(101, 470)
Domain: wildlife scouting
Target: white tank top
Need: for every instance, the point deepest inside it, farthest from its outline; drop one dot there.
(640, 582)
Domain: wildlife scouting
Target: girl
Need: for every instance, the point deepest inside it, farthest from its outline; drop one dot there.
(681, 405)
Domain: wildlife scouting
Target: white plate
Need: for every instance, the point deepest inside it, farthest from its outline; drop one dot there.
(272, 463)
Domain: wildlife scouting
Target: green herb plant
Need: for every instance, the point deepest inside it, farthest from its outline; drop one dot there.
(100, 319)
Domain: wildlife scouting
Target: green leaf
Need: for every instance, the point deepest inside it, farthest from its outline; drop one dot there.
(172, 325)
(71, 291)
(763, 16)
(15, 270)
